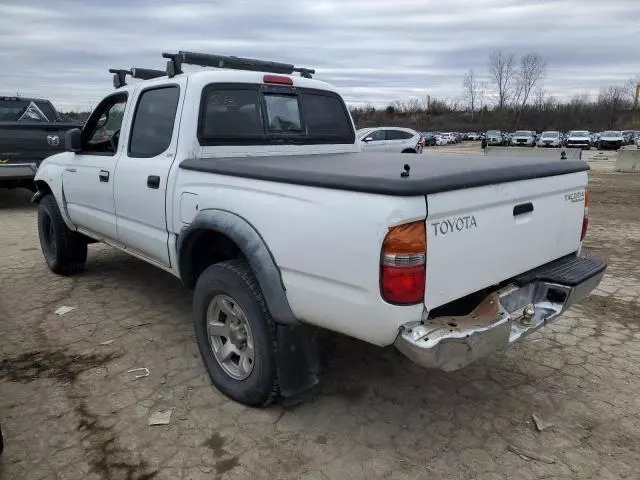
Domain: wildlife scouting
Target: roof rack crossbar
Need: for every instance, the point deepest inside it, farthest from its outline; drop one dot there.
(174, 65)
(120, 75)
(147, 73)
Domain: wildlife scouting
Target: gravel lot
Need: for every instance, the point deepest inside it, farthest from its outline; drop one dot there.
(69, 409)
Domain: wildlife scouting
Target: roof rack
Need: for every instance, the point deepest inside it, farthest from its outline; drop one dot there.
(174, 64)
(119, 77)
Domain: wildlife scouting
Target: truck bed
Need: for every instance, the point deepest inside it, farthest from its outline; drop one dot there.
(379, 173)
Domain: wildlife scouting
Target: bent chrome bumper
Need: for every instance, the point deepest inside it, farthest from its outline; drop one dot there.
(451, 342)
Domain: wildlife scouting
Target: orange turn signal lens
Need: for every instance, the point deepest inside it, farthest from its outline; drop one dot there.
(408, 238)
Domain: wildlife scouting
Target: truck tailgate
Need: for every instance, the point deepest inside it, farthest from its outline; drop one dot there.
(481, 236)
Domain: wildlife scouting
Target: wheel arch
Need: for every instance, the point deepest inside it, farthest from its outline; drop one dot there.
(235, 237)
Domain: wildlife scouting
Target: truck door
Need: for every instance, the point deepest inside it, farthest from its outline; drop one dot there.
(142, 172)
(88, 176)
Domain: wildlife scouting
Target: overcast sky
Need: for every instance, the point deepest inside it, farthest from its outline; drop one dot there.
(373, 51)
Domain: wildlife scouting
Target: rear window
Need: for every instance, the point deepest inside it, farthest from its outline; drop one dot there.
(398, 135)
(236, 114)
(13, 110)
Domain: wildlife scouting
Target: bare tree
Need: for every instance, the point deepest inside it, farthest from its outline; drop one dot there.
(539, 96)
(471, 85)
(613, 99)
(502, 67)
(532, 70)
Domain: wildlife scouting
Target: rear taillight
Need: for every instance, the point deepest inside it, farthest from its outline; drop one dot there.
(585, 218)
(402, 272)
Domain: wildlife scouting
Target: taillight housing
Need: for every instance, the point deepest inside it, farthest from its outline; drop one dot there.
(278, 79)
(402, 269)
(585, 218)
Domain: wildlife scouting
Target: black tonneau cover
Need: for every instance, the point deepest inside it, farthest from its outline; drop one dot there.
(380, 172)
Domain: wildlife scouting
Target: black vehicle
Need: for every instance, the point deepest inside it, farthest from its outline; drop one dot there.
(30, 130)
(429, 139)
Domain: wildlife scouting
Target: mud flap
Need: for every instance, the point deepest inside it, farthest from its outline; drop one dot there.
(298, 358)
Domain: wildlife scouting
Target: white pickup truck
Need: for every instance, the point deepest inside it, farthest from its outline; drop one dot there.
(247, 183)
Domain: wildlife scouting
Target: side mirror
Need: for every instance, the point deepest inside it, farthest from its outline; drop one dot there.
(73, 140)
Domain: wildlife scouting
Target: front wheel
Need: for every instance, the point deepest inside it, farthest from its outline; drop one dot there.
(64, 250)
(236, 333)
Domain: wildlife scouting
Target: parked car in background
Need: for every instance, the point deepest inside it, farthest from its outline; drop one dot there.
(473, 136)
(494, 137)
(628, 137)
(550, 139)
(441, 140)
(611, 140)
(523, 138)
(391, 139)
(30, 130)
(594, 139)
(429, 139)
(578, 139)
(636, 138)
(450, 137)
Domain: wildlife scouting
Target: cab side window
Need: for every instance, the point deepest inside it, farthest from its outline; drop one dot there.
(375, 135)
(101, 133)
(153, 122)
(398, 135)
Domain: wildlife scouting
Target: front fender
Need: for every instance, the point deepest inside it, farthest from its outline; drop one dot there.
(252, 246)
(48, 179)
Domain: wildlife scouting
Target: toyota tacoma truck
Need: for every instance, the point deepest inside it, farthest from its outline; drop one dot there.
(247, 183)
(30, 130)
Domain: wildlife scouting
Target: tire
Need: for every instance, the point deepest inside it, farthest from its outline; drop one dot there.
(64, 250)
(233, 280)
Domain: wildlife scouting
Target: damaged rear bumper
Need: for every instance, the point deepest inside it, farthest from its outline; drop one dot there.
(505, 316)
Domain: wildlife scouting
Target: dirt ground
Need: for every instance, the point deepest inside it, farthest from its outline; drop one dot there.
(70, 408)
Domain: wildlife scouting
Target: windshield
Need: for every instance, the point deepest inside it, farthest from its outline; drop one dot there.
(493, 132)
(550, 135)
(612, 134)
(579, 134)
(523, 133)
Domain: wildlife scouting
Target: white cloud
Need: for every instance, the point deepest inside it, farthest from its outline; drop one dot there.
(374, 51)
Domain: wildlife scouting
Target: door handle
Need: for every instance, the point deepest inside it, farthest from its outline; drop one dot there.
(522, 209)
(153, 181)
(103, 176)
(72, 170)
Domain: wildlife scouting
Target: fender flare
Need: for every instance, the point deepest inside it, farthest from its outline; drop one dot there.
(254, 249)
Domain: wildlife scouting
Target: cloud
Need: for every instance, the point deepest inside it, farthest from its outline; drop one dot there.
(373, 51)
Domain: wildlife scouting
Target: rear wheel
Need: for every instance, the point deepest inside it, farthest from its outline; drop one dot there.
(64, 250)
(236, 334)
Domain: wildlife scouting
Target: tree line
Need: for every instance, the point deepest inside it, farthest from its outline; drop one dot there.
(511, 97)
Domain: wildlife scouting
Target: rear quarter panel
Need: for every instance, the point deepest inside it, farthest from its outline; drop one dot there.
(325, 242)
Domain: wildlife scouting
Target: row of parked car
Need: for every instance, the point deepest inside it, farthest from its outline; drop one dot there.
(610, 139)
